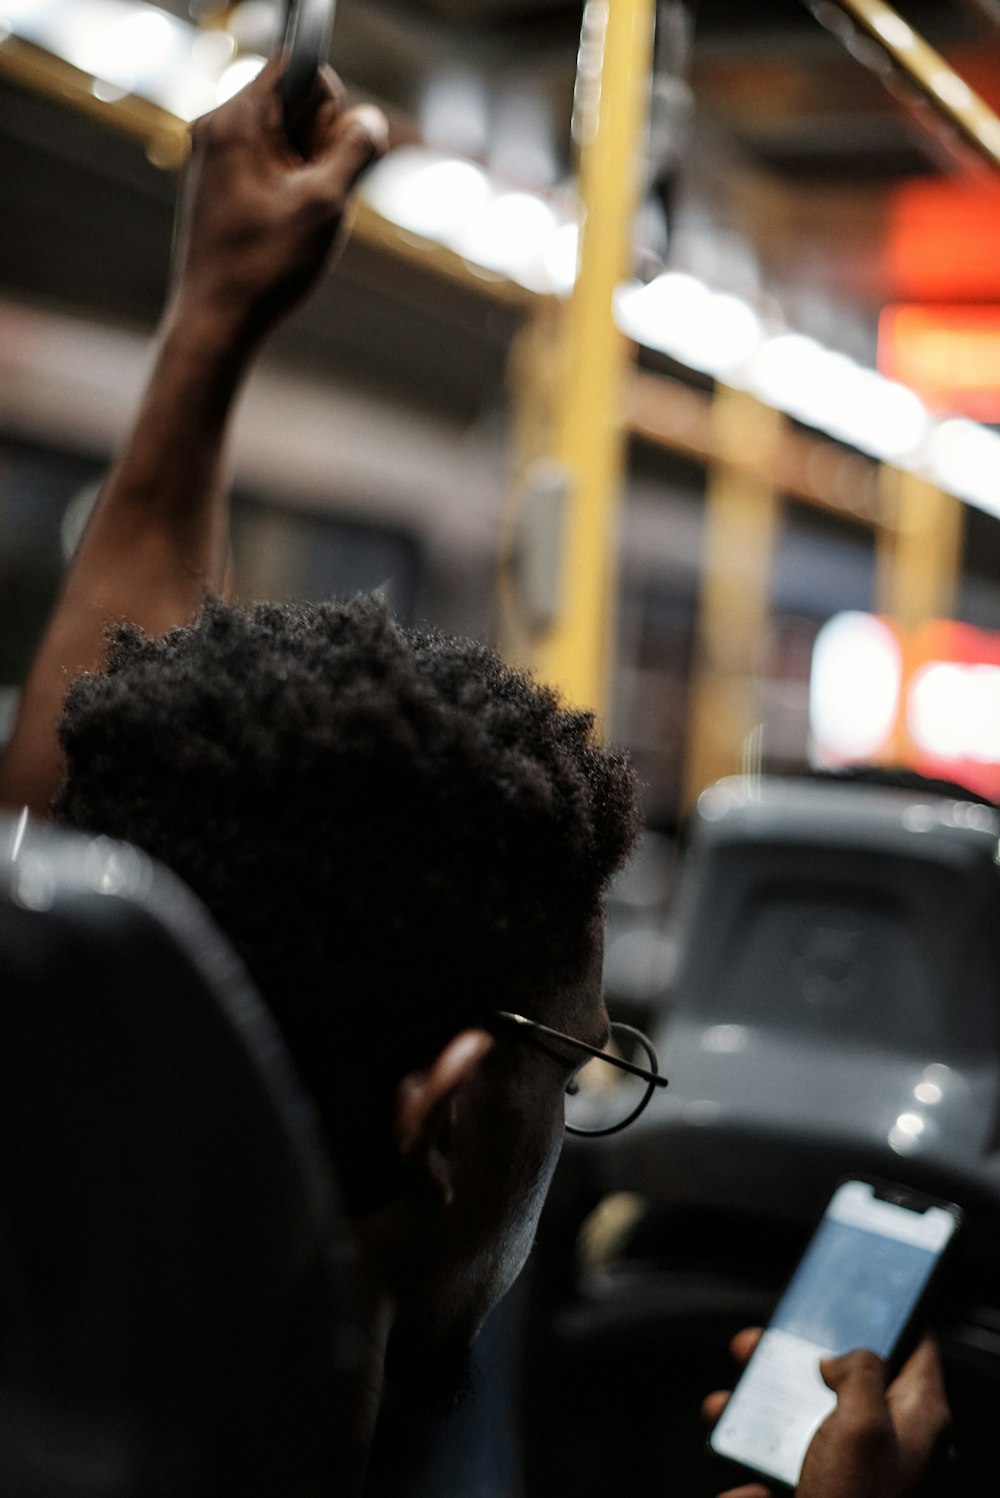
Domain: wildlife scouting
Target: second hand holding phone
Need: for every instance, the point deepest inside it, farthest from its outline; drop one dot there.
(862, 1282)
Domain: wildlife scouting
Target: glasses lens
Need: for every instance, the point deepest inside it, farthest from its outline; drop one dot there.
(602, 1097)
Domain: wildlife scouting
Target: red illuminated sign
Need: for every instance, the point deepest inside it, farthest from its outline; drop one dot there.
(941, 241)
(949, 354)
(951, 723)
(928, 698)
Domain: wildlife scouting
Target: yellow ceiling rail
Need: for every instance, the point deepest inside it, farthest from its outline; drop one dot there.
(932, 74)
(163, 134)
(165, 137)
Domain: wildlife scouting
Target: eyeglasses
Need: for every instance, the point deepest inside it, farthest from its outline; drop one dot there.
(610, 1087)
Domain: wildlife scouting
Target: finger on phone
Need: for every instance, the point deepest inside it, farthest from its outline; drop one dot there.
(858, 1379)
(753, 1490)
(743, 1344)
(713, 1404)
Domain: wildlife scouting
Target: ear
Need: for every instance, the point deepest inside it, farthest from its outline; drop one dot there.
(425, 1108)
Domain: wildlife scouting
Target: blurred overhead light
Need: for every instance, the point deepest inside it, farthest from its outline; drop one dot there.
(426, 194)
(829, 391)
(213, 50)
(951, 89)
(560, 256)
(456, 204)
(508, 235)
(964, 458)
(519, 235)
(916, 61)
(894, 30)
(129, 46)
(680, 316)
(124, 44)
(878, 416)
(237, 75)
(13, 12)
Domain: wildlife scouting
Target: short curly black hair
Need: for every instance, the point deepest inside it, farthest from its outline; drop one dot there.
(398, 832)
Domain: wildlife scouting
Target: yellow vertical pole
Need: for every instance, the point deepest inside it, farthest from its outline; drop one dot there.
(918, 556)
(529, 561)
(573, 652)
(742, 515)
(918, 548)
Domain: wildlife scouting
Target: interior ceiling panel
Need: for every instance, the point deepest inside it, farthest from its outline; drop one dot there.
(87, 226)
(815, 146)
(783, 87)
(766, 69)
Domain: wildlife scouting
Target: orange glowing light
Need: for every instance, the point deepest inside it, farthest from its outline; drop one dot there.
(949, 354)
(941, 242)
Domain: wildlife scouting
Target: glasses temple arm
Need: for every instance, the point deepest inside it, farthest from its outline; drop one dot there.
(653, 1077)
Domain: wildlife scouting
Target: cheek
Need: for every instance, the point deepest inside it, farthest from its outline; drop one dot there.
(536, 1159)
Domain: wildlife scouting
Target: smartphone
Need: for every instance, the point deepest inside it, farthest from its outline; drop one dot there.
(863, 1281)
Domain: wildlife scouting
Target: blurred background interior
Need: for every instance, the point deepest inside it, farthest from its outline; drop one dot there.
(788, 423)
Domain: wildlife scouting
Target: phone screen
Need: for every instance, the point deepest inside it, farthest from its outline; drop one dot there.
(856, 1286)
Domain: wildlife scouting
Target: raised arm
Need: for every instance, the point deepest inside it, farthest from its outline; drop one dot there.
(258, 225)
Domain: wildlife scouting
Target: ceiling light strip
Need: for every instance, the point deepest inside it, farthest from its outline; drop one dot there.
(713, 332)
(163, 134)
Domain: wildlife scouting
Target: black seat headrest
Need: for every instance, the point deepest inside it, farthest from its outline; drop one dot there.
(176, 1297)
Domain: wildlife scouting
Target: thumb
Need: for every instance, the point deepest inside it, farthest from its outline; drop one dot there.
(853, 1451)
(862, 1415)
(857, 1378)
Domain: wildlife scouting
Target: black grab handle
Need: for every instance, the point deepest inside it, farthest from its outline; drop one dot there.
(305, 42)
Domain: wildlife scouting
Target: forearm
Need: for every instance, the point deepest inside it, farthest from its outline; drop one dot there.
(158, 538)
(162, 515)
(259, 223)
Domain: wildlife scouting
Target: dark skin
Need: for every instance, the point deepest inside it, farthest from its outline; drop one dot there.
(880, 1440)
(259, 224)
(479, 1129)
(479, 1132)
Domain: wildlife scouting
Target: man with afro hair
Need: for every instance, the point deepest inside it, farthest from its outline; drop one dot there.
(399, 834)
(405, 839)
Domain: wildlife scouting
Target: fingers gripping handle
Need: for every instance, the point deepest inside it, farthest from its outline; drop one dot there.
(305, 43)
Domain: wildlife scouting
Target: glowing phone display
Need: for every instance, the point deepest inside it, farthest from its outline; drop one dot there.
(858, 1285)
